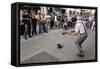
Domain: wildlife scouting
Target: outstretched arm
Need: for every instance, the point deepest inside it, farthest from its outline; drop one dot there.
(70, 33)
(73, 33)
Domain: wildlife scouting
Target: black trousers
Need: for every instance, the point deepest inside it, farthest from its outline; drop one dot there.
(34, 28)
(27, 29)
(51, 23)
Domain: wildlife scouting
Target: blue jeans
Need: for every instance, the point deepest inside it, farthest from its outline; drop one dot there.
(40, 27)
(45, 28)
(80, 40)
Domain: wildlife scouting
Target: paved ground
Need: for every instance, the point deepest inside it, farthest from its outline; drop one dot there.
(47, 42)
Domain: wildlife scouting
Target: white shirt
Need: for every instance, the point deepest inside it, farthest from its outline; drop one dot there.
(91, 18)
(21, 15)
(79, 27)
(55, 18)
(78, 17)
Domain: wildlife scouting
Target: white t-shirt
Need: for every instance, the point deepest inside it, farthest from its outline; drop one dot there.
(55, 18)
(79, 27)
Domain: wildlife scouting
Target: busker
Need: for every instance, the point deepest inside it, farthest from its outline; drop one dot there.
(80, 29)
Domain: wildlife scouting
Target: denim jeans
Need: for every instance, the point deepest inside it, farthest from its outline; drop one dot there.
(80, 40)
(40, 28)
(45, 28)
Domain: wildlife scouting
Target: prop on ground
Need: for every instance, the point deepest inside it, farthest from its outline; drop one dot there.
(59, 46)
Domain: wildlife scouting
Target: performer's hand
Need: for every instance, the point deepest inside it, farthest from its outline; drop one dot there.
(64, 33)
(69, 33)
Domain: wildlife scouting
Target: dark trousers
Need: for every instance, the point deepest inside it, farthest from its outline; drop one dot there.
(27, 30)
(34, 29)
(22, 29)
(51, 24)
(40, 27)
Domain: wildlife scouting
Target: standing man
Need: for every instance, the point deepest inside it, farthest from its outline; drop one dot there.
(44, 23)
(90, 21)
(26, 20)
(80, 29)
(34, 24)
(22, 25)
(51, 21)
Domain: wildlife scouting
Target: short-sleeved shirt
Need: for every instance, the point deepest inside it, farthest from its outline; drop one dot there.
(79, 27)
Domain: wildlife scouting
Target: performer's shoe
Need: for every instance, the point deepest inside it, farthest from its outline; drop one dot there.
(81, 54)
